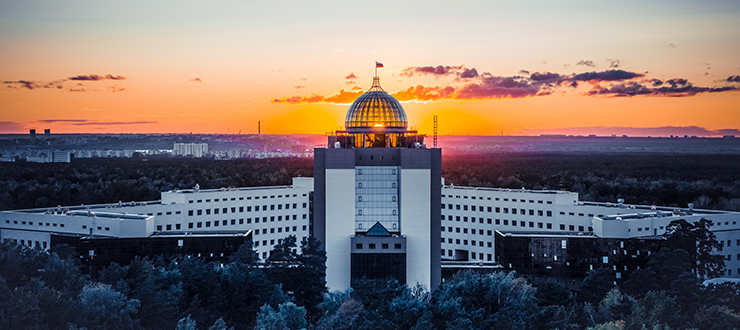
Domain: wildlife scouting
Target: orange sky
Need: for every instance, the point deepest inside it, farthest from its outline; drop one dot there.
(103, 67)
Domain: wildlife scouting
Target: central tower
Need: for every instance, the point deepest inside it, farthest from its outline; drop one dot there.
(377, 198)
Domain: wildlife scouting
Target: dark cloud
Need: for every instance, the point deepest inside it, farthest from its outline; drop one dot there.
(676, 81)
(586, 63)
(629, 89)
(470, 85)
(501, 87)
(24, 83)
(469, 73)
(611, 75)
(94, 77)
(77, 89)
(544, 76)
(613, 63)
(51, 121)
(196, 79)
(351, 75)
(524, 72)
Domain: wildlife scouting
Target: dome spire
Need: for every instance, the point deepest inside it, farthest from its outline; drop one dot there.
(376, 85)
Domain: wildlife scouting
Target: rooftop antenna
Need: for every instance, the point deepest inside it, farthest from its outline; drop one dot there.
(435, 131)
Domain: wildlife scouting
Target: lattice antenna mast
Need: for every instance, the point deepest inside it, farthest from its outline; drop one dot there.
(435, 131)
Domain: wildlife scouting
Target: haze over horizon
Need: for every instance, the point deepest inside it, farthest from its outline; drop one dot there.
(484, 68)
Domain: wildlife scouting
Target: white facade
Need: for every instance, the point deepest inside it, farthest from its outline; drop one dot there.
(191, 149)
(272, 213)
(469, 219)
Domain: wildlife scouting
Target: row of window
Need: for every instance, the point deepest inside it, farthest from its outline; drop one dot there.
(225, 210)
(515, 223)
(465, 242)
(590, 215)
(216, 223)
(240, 198)
(30, 223)
(384, 246)
(473, 255)
(279, 230)
(99, 227)
(465, 230)
(28, 243)
(498, 199)
(496, 209)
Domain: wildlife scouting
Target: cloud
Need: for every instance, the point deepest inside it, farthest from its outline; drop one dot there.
(611, 75)
(469, 85)
(670, 46)
(423, 93)
(342, 98)
(350, 82)
(586, 63)
(351, 75)
(24, 84)
(677, 88)
(52, 121)
(544, 76)
(77, 89)
(304, 79)
(524, 72)
(501, 87)
(299, 87)
(469, 73)
(613, 63)
(440, 70)
(94, 77)
(196, 79)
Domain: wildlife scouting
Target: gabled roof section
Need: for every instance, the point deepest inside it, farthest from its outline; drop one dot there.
(377, 230)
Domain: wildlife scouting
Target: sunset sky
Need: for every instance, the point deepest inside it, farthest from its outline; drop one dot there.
(484, 67)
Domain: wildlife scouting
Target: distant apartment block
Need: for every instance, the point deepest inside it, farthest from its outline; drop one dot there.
(191, 149)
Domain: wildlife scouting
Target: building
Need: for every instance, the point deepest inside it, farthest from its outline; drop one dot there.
(377, 197)
(381, 209)
(191, 149)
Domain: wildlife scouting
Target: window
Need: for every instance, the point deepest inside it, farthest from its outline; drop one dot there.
(562, 227)
(397, 246)
(384, 246)
(190, 213)
(358, 246)
(371, 246)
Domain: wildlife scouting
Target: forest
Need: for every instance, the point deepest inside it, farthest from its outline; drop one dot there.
(47, 290)
(707, 180)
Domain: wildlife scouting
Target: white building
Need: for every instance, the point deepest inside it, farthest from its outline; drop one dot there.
(191, 149)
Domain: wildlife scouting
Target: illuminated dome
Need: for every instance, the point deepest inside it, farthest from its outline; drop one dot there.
(376, 110)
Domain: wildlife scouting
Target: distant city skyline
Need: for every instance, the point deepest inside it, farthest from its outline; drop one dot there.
(484, 68)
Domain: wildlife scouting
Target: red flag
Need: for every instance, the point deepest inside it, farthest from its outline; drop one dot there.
(378, 64)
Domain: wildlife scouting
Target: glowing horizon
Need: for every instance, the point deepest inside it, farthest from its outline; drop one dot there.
(495, 68)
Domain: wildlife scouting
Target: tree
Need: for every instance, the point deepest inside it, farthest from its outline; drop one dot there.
(101, 307)
(595, 286)
(699, 242)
